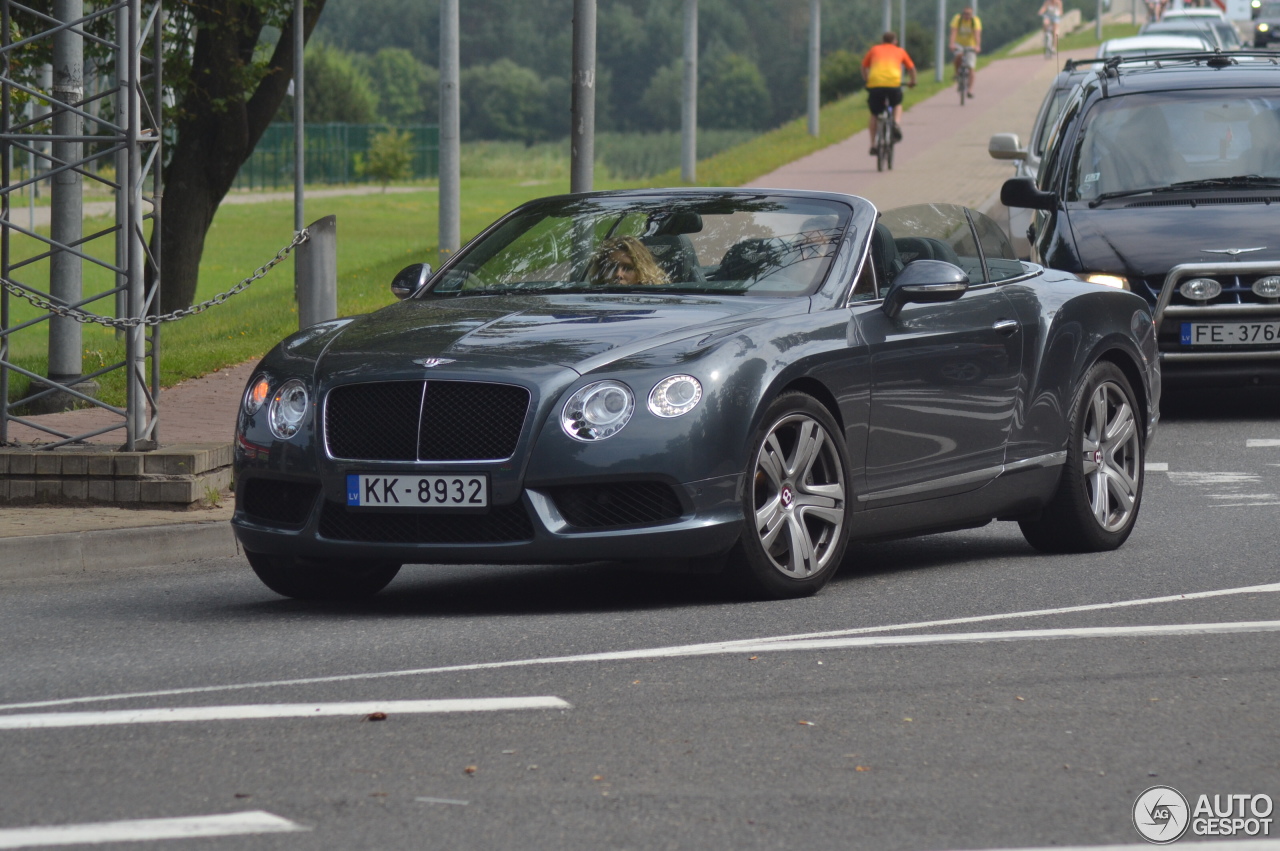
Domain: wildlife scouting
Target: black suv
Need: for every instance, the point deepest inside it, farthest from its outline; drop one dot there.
(1163, 177)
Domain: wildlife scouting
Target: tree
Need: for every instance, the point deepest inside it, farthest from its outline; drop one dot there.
(408, 91)
(502, 101)
(734, 95)
(227, 90)
(841, 75)
(389, 158)
(663, 97)
(336, 88)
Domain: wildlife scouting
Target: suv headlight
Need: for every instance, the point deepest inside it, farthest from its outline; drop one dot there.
(1108, 280)
(256, 394)
(1200, 289)
(1268, 287)
(598, 411)
(288, 409)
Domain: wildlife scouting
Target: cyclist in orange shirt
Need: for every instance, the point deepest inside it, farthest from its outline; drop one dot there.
(882, 71)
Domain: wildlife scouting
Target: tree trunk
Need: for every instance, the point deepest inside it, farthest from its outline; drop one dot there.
(219, 127)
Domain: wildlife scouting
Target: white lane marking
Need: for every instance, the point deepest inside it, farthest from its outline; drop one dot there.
(142, 830)
(652, 653)
(1244, 504)
(1156, 467)
(1214, 478)
(1015, 635)
(452, 801)
(273, 710)
(1263, 443)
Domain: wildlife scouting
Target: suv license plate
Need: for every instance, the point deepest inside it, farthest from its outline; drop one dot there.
(440, 491)
(1230, 333)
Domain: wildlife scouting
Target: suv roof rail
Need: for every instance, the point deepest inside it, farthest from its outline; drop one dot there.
(1212, 58)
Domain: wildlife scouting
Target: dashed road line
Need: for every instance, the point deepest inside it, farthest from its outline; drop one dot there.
(652, 653)
(144, 830)
(48, 720)
(1261, 443)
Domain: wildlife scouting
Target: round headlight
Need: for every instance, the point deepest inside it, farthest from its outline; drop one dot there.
(1268, 287)
(256, 394)
(598, 410)
(1263, 27)
(674, 396)
(288, 409)
(1200, 289)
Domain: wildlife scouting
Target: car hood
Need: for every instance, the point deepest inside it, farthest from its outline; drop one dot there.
(1149, 241)
(582, 332)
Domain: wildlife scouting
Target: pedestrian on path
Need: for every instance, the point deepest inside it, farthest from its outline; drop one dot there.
(882, 69)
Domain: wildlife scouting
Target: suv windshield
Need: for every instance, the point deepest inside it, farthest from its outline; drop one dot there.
(1148, 142)
(744, 243)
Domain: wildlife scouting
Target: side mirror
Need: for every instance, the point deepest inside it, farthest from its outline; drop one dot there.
(1022, 192)
(410, 279)
(1004, 146)
(925, 282)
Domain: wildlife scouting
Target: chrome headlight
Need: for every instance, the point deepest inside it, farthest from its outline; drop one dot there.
(598, 411)
(288, 409)
(1268, 287)
(1200, 289)
(256, 394)
(1108, 280)
(674, 396)
(1263, 27)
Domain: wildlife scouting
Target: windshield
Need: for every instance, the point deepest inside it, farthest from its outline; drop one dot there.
(1151, 141)
(726, 243)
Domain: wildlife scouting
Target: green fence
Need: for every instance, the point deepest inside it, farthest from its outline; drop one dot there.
(331, 154)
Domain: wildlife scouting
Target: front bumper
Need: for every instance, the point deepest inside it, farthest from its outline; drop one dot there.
(1185, 364)
(533, 530)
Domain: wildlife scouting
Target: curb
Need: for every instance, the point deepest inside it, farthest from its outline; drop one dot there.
(32, 556)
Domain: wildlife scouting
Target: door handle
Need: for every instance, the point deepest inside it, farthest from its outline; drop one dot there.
(1005, 326)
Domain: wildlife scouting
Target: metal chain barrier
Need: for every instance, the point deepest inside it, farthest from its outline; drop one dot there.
(132, 322)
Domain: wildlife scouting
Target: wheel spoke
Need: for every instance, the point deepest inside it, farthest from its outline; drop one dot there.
(808, 447)
(801, 546)
(771, 462)
(1122, 427)
(770, 518)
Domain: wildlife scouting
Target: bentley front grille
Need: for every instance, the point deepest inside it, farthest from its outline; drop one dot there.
(425, 421)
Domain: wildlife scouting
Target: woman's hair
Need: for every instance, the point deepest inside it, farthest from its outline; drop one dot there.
(647, 269)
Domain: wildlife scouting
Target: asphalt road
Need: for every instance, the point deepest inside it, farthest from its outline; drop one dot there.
(901, 730)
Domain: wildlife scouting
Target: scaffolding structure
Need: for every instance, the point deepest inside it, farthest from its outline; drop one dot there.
(117, 149)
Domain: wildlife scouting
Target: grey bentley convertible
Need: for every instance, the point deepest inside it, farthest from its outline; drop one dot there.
(740, 381)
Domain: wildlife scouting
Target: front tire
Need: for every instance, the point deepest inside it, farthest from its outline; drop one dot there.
(795, 501)
(1100, 491)
(322, 579)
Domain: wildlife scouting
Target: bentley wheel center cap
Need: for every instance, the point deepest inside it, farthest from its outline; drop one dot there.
(787, 496)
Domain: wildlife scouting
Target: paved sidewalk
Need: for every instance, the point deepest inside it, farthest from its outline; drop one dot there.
(943, 158)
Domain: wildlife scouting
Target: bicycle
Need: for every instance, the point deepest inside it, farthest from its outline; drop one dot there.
(884, 139)
(963, 72)
(1050, 39)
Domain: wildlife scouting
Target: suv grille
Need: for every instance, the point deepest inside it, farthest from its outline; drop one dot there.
(503, 524)
(425, 420)
(1236, 289)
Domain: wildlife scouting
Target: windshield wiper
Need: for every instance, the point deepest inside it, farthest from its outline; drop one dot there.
(1214, 182)
(1124, 193)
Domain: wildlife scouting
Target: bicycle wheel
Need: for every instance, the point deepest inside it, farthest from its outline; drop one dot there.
(888, 156)
(962, 84)
(883, 140)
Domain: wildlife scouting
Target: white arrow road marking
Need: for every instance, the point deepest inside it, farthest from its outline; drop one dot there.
(1261, 443)
(46, 720)
(142, 830)
(655, 653)
(1211, 845)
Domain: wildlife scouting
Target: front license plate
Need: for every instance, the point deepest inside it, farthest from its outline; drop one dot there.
(437, 491)
(1230, 333)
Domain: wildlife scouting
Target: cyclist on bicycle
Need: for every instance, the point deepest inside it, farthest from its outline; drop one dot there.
(1051, 15)
(882, 71)
(966, 42)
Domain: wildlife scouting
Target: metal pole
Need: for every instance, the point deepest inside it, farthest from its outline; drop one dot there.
(1097, 25)
(66, 199)
(815, 64)
(450, 132)
(583, 133)
(135, 339)
(902, 24)
(121, 103)
(888, 17)
(940, 41)
(689, 102)
(299, 117)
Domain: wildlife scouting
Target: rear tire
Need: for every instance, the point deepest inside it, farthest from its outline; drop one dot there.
(1100, 491)
(795, 502)
(322, 579)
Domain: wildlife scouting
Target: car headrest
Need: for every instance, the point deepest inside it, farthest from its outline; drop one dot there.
(678, 222)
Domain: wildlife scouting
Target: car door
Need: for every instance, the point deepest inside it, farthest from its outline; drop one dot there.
(945, 377)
